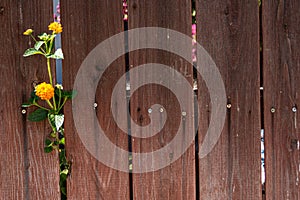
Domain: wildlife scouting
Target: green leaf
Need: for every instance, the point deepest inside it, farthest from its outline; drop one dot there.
(62, 141)
(69, 94)
(65, 172)
(48, 142)
(51, 118)
(59, 120)
(33, 98)
(58, 54)
(38, 115)
(31, 51)
(44, 37)
(26, 105)
(38, 45)
(48, 149)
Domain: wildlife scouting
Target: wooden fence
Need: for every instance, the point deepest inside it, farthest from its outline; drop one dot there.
(252, 46)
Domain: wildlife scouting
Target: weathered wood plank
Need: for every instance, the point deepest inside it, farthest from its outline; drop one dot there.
(229, 31)
(177, 180)
(26, 171)
(281, 65)
(86, 24)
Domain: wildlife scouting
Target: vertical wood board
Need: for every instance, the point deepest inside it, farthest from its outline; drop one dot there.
(87, 24)
(229, 32)
(281, 69)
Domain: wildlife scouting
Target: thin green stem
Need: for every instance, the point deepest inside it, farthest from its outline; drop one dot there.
(37, 105)
(51, 46)
(59, 98)
(36, 42)
(49, 71)
(65, 100)
(49, 103)
(33, 38)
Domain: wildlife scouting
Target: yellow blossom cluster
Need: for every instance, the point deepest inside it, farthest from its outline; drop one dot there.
(45, 91)
(55, 27)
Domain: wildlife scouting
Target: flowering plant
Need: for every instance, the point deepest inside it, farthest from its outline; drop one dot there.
(54, 95)
(49, 98)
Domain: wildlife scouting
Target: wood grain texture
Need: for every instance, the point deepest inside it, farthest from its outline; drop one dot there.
(86, 24)
(229, 31)
(177, 180)
(281, 64)
(26, 171)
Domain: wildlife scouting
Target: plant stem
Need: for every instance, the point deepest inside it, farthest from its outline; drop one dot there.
(59, 98)
(65, 100)
(37, 105)
(49, 71)
(49, 103)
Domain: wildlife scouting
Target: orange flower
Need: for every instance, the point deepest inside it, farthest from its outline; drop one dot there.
(45, 91)
(55, 27)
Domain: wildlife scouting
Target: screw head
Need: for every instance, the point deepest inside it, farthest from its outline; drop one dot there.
(183, 113)
(294, 109)
(150, 110)
(273, 110)
(95, 105)
(161, 110)
(228, 106)
(23, 111)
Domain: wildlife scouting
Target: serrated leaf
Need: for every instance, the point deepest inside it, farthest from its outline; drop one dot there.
(38, 45)
(58, 54)
(38, 115)
(31, 51)
(59, 120)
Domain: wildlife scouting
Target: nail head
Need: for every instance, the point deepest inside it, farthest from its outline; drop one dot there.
(183, 113)
(294, 109)
(150, 110)
(24, 111)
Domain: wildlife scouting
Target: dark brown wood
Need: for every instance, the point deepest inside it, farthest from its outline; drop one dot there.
(229, 31)
(281, 66)
(26, 171)
(177, 180)
(86, 24)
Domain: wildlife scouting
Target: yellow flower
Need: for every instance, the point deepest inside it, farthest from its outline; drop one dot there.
(45, 91)
(55, 27)
(28, 32)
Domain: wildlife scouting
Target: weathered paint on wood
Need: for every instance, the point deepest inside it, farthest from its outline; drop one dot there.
(26, 171)
(86, 24)
(229, 31)
(177, 180)
(281, 69)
